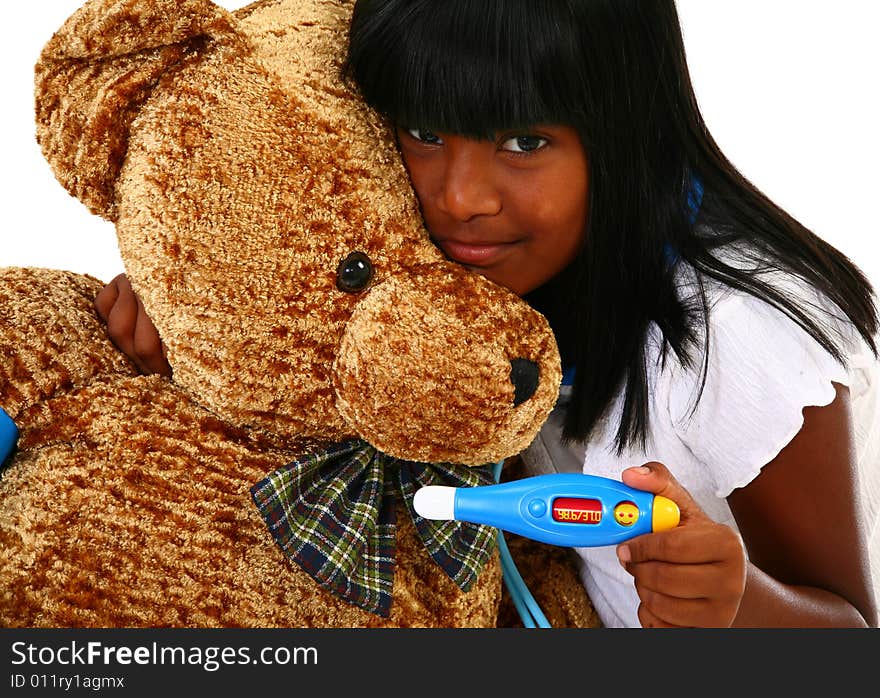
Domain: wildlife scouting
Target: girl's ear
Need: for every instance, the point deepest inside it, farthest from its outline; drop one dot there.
(95, 73)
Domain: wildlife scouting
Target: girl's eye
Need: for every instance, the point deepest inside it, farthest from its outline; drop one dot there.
(524, 144)
(425, 136)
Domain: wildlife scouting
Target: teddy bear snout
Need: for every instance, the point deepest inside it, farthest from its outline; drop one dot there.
(469, 362)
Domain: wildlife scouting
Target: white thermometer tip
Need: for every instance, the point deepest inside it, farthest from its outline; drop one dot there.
(435, 502)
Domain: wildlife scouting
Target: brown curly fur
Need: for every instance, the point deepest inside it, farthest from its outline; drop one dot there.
(239, 170)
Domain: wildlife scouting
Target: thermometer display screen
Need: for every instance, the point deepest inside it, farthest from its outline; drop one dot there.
(577, 510)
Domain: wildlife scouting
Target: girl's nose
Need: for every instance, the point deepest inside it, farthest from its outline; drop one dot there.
(468, 189)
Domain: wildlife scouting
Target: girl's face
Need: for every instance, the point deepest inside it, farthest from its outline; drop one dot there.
(513, 209)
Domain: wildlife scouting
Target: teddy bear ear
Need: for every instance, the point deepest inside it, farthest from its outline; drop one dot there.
(95, 73)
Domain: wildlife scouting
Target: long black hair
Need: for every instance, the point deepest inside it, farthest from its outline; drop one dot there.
(616, 71)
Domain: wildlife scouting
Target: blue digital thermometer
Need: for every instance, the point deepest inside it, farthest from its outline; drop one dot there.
(565, 509)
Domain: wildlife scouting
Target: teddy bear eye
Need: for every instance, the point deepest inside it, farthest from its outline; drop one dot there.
(354, 273)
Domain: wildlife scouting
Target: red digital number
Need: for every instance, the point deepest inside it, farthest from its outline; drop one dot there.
(575, 510)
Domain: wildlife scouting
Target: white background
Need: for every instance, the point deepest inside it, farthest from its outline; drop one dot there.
(789, 89)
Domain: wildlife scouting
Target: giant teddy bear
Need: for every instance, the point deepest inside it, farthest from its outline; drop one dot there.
(327, 360)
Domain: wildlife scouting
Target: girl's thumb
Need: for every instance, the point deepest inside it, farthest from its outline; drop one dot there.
(655, 478)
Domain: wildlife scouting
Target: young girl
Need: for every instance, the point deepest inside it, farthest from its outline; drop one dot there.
(708, 338)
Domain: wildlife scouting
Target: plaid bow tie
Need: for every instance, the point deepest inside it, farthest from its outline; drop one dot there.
(334, 513)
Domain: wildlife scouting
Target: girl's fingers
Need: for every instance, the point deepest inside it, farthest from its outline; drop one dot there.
(685, 545)
(661, 611)
(130, 328)
(106, 298)
(648, 619)
(655, 478)
(147, 345)
(122, 318)
(711, 581)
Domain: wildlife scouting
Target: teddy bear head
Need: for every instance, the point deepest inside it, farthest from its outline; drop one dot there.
(266, 221)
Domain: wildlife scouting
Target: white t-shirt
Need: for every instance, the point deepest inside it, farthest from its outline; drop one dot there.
(763, 369)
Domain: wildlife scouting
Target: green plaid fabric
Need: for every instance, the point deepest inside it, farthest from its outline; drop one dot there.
(334, 514)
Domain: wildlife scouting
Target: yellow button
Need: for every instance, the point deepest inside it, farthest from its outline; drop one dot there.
(665, 514)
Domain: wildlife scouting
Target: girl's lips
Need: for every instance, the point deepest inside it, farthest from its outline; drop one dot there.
(474, 254)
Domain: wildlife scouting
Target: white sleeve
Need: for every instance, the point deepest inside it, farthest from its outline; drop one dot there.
(762, 370)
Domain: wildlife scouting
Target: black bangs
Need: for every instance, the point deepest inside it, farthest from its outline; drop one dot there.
(469, 68)
(615, 71)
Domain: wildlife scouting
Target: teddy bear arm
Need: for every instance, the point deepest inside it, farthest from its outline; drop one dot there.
(52, 338)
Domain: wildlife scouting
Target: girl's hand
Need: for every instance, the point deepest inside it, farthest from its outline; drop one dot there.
(130, 328)
(691, 576)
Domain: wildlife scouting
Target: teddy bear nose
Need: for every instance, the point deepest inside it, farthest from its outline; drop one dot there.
(524, 375)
